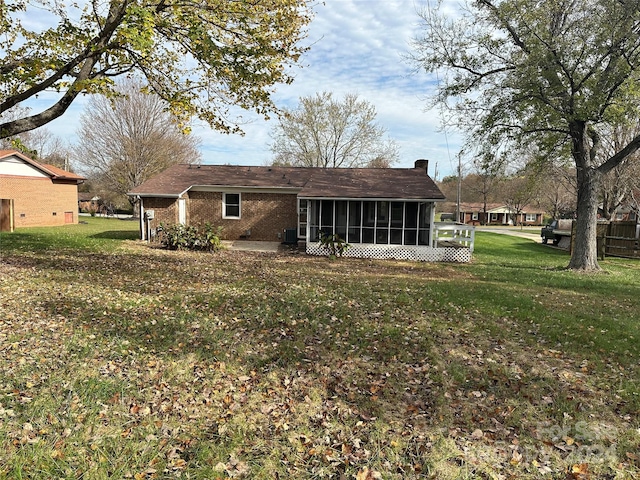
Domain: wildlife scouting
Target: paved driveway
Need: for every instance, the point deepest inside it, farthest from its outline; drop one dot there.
(529, 233)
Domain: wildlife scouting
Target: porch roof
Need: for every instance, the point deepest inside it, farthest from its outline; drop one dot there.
(388, 183)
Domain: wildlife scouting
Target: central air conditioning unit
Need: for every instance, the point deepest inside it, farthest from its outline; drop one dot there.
(290, 236)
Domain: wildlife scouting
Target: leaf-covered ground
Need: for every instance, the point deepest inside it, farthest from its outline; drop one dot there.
(144, 363)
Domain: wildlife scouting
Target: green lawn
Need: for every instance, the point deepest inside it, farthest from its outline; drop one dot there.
(122, 361)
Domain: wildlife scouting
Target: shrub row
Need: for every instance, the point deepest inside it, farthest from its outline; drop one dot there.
(191, 237)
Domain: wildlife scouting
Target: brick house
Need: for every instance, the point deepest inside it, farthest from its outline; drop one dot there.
(498, 214)
(377, 211)
(34, 194)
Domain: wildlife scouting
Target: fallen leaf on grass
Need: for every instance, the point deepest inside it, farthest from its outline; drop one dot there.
(366, 474)
(578, 471)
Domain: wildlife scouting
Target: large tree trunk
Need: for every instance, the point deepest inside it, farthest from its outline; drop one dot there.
(584, 254)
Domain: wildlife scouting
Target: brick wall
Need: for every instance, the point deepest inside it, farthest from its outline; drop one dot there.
(40, 201)
(265, 214)
(165, 211)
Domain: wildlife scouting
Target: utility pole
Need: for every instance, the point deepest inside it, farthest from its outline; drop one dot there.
(459, 192)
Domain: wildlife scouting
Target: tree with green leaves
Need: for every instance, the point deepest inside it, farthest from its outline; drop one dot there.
(330, 133)
(39, 144)
(200, 57)
(541, 76)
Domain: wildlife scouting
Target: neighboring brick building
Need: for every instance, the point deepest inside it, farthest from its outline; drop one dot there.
(499, 214)
(35, 194)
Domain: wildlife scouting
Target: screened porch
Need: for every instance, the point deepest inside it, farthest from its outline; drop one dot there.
(376, 222)
(384, 229)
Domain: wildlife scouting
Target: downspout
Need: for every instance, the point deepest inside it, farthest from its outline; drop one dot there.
(143, 230)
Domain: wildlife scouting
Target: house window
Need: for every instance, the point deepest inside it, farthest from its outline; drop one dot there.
(494, 217)
(530, 217)
(474, 216)
(231, 205)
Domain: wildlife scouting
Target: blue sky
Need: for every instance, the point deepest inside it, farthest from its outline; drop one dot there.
(357, 46)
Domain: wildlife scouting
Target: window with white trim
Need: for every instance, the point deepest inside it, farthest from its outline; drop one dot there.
(530, 217)
(230, 205)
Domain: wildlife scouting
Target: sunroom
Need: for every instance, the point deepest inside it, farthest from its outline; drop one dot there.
(386, 214)
(384, 229)
(374, 222)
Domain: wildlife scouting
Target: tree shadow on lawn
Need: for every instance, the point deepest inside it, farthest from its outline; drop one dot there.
(515, 245)
(20, 242)
(117, 235)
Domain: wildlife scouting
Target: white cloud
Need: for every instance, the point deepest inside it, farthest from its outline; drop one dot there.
(356, 46)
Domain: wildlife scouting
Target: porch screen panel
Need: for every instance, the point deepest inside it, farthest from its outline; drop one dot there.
(382, 223)
(355, 222)
(326, 216)
(368, 221)
(377, 222)
(411, 223)
(424, 219)
(302, 218)
(314, 219)
(341, 218)
(397, 222)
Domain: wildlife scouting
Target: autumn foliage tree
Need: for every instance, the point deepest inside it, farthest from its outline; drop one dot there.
(39, 144)
(200, 57)
(543, 76)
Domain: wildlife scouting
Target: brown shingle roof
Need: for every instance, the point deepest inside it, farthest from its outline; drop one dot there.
(404, 183)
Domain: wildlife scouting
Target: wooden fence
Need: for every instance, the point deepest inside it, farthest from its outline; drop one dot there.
(619, 239)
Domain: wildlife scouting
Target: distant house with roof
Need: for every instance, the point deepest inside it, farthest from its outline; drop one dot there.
(499, 214)
(35, 194)
(378, 211)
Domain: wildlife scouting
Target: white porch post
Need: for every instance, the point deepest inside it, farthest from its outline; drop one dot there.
(182, 211)
(143, 229)
(432, 220)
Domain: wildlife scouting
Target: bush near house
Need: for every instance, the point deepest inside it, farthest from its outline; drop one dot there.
(191, 237)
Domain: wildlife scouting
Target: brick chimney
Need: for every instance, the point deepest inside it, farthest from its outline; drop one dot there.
(422, 163)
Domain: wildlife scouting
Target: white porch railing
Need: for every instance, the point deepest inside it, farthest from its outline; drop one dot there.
(456, 235)
(451, 243)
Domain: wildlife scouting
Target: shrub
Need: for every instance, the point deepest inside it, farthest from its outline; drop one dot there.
(191, 237)
(333, 243)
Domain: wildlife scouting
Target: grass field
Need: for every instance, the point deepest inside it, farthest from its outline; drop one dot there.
(122, 361)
